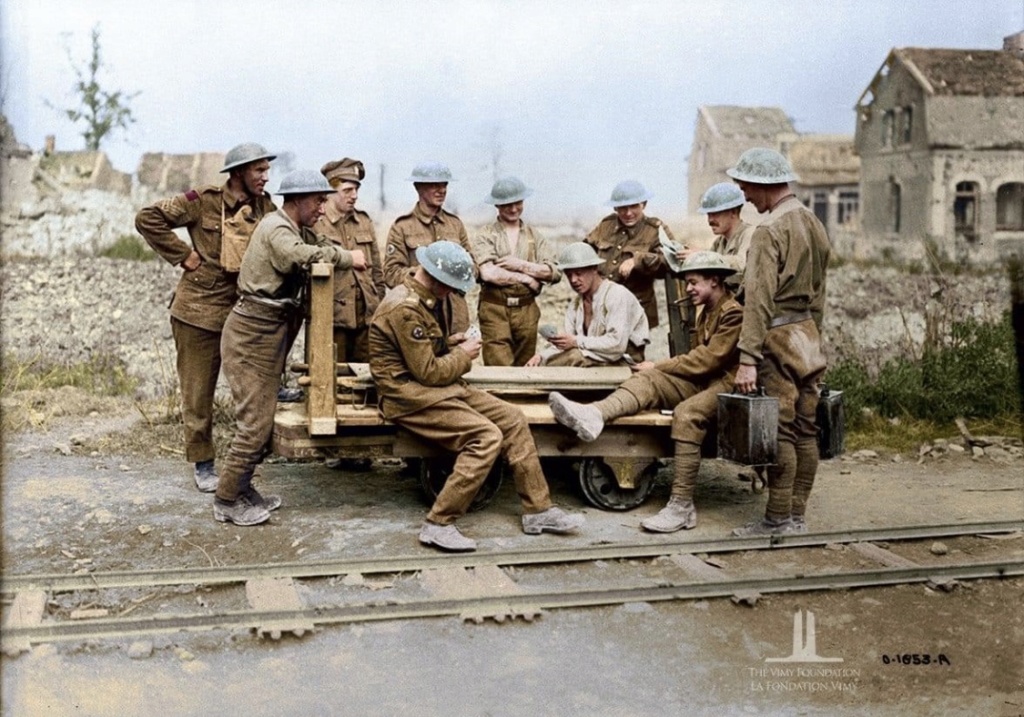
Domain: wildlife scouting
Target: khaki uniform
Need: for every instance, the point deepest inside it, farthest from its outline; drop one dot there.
(204, 297)
(785, 301)
(356, 293)
(734, 248)
(420, 386)
(255, 341)
(616, 243)
(509, 314)
(413, 230)
(689, 384)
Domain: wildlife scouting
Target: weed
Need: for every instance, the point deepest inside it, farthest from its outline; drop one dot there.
(128, 247)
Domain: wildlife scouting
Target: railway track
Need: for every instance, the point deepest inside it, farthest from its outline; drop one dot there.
(477, 586)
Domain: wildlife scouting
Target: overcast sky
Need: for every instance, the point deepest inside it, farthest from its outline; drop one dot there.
(578, 95)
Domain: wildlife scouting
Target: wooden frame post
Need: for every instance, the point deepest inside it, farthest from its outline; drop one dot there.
(320, 354)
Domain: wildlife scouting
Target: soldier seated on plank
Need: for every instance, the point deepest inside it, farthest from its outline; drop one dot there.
(689, 384)
(604, 325)
(419, 379)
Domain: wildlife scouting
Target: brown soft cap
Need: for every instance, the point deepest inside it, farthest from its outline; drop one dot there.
(345, 170)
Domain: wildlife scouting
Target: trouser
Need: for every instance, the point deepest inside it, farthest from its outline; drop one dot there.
(509, 333)
(576, 358)
(477, 428)
(198, 363)
(791, 371)
(254, 351)
(352, 345)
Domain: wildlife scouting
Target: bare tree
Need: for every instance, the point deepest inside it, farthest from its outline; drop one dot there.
(101, 110)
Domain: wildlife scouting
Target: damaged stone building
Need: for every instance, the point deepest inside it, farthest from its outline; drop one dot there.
(940, 134)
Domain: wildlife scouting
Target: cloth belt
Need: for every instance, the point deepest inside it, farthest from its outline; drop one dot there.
(266, 309)
(491, 296)
(790, 318)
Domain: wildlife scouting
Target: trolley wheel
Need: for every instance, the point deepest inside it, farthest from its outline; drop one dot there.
(434, 473)
(600, 487)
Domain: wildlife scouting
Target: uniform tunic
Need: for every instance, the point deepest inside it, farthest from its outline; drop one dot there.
(203, 297)
(509, 314)
(356, 293)
(734, 248)
(420, 384)
(785, 300)
(616, 243)
(618, 326)
(413, 230)
(255, 339)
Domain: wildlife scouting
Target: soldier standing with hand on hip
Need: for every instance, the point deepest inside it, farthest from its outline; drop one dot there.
(220, 221)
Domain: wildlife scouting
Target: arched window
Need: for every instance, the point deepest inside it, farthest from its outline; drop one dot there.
(895, 208)
(965, 210)
(1010, 207)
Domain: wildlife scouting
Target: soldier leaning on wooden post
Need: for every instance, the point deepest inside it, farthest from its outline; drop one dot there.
(515, 262)
(255, 341)
(780, 342)
(220, 221)
(628, 243)
(418, 372)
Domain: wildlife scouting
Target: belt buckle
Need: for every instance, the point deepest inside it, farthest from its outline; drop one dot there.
(512, 301)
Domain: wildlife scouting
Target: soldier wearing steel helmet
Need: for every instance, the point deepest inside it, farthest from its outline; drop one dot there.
(428, 222)
(628, 243)
(688, 384)
(515, 262)
(604, 325)
(722, 203)
(220, 220)
(418, 374)
(356, 293)
(256, 334)
(780, 342)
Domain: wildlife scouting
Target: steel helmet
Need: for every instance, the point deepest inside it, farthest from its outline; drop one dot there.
(707, 262)
(628, 193)
(578, 255)
(431, 172)
(449, 263)
(508, 190)
(304, 181)
(244, 154)
(761, 165)
(721, 196)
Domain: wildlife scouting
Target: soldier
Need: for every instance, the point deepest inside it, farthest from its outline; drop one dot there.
(256, 334)
(628, 243)
(219, 221)
(688, 384)
(722, 203)
(604, 325)
(418, 375)
(515, 261)
(780, 342)
(426, 223)
(356, 293)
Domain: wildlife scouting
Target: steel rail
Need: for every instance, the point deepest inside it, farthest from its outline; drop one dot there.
(59, 582)
(527, 604)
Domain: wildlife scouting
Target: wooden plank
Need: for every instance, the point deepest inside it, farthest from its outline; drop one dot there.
(883, 556)
(273, 594)
(26, 611)
(539, 378)
(320, 351)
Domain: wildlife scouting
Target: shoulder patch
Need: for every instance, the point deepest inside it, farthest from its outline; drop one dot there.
(191, 195)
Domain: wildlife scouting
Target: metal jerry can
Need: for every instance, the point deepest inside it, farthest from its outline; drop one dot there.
(831, 420)
(748, 428)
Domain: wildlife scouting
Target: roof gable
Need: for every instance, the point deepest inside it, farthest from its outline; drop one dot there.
(985, 73)
(732, 121)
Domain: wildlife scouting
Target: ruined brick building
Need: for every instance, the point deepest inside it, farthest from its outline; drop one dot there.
(940, 134)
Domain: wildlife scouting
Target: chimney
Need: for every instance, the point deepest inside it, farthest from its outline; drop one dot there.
(1014, 44)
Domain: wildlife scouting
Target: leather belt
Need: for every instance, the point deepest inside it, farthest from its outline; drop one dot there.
(495, 297)
(790, 318)
(252, 307)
